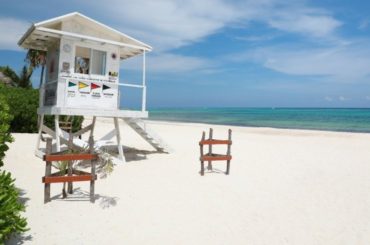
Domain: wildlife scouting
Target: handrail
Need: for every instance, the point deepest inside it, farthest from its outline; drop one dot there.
(131, 85)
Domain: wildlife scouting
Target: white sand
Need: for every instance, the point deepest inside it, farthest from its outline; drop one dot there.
(285, 187)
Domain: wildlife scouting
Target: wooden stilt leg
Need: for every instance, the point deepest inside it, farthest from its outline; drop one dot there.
(47, 171)
(70, 164)
(119, 145)
(41, 123)
(228, 153)
(57, 132)
(93, 162)
(201, 155)
(210, 148)
(92, 127)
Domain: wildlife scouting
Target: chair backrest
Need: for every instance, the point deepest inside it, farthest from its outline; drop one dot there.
(210, 141)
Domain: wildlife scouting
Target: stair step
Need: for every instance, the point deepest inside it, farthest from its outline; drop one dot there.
(140, 127)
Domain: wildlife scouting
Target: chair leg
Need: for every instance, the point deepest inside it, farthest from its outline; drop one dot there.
(228, 167)
(202, 168)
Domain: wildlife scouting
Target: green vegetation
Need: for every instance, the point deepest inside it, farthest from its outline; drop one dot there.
(23, 105)
(23, 108)
(10, 218)
(5, 136)
(23, 80)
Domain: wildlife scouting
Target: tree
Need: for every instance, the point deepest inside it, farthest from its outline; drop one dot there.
(10, 73)
(23, 80)
(36, 58)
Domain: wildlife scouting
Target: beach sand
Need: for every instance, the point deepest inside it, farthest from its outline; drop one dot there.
(285, 187)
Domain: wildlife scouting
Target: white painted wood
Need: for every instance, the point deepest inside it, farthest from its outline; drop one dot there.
(93, 126)
(57, 132)
(91, 112)
(90, 23)
(83, 130)
(109, 135)
(130, 85)
(140, 127)
(143, 106)
(66, 90)
(118, 135)
(95, 39)
(41, 124)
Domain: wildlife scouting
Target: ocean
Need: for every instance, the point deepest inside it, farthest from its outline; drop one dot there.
(346, 120)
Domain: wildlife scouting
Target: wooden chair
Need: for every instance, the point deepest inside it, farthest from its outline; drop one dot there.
(210, 156)
(70, 175)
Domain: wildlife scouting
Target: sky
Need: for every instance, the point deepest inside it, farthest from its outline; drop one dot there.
(219, 53)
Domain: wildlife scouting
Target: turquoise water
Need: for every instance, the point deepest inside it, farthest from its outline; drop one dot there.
(348, 120)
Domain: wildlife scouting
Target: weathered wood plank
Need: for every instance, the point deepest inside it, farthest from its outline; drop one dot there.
(70, 157)
(83, 130)
(70, 164)
(215, 158)
(201, 154)
(47, 171)
(92, 161)
(228, 153)
(62, 179)
(210, 148)
(215, 142)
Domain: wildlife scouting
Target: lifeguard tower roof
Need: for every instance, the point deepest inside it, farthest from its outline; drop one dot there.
(40, 35)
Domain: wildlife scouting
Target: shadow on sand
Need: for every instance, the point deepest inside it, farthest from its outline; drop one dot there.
(84, 196)
(133, 154)
(213, 171)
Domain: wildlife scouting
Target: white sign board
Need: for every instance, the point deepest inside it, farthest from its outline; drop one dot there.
(91, 94)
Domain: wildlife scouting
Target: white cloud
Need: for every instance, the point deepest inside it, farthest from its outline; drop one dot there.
(347, 63)
(11, 31)
(170, 24)
(254, 38)
(328, 98)
(169, 63)
(342, 98)
(314, 25)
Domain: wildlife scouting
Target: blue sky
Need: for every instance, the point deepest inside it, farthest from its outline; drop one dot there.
(207, 53)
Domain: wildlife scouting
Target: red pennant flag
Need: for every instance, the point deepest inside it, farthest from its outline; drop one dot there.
(94, 86)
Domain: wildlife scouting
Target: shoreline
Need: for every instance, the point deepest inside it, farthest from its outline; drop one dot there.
(257, 127)
(323, 119)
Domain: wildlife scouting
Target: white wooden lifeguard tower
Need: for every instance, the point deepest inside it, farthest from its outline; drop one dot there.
(82, 76)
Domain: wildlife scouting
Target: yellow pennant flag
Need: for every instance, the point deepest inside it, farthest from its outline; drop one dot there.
(82, 85)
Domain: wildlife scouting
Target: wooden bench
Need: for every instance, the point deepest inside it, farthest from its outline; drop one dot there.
(210, 156)
(69, 175)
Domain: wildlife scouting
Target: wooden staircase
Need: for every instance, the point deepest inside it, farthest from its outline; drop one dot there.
(140, 127)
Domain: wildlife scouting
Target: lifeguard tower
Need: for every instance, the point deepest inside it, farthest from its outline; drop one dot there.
(82, 77)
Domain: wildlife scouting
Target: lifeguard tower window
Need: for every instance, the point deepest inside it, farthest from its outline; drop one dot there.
(90, 61)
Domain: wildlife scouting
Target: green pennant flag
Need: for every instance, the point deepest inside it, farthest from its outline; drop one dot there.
(71, 84)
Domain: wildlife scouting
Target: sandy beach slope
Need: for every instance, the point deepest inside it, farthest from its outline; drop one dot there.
(285, 187)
